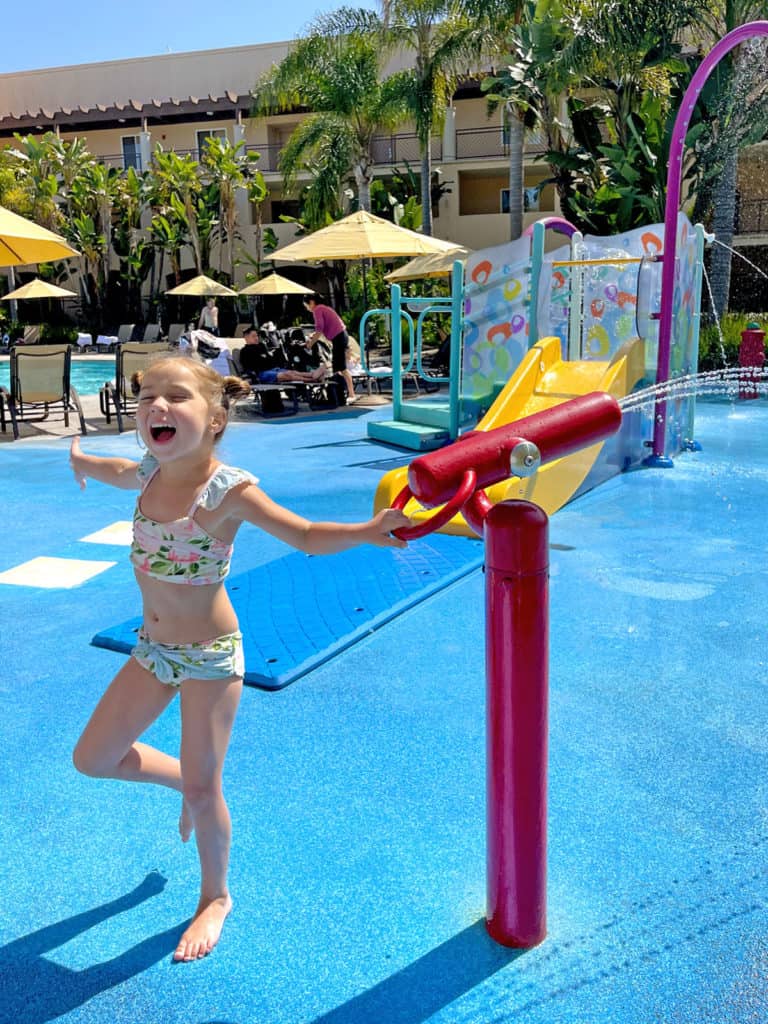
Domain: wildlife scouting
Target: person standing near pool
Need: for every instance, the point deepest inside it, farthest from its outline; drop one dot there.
(209, 317)
(328, 324)
(188, 511)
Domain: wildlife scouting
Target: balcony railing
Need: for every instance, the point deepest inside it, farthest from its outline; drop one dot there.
(487, 143)
(398, 149)
(387, 150)
(118, 161)
(269, 154)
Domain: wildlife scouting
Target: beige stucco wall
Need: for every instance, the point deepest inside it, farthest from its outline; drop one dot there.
(473, 113)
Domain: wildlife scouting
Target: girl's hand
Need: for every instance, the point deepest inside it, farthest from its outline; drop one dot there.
(382, 525)
(75, 457)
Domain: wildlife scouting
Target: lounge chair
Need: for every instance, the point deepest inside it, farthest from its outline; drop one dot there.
(268, 399)
(31, 335)
(175, 331)
(40, 383)
(85, 342)
(241, 329)
(129, 358)
(152, 332)
(107, 342)
(233, 359)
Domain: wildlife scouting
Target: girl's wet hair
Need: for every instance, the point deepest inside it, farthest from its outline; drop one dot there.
(218, 390)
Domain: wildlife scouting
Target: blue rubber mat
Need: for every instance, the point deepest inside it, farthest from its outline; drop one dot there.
(298, 611)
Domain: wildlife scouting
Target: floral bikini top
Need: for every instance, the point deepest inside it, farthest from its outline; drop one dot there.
(182, 551)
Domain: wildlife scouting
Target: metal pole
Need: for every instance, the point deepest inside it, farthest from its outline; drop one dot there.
(13, 309)
(517, 627)
(674, 187)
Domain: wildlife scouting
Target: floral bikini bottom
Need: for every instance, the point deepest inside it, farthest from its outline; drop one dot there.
(221, 658)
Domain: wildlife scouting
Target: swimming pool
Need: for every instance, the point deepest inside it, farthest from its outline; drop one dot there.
(357, 793)
(88, 375)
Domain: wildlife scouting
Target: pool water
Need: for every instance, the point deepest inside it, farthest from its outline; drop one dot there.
(88, 375)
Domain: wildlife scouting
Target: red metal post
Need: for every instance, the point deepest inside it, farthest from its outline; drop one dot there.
(517, 640)
(751, 354)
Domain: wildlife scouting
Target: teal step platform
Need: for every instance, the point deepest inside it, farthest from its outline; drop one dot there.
(299, 611)
(426, 412)
(415, 436)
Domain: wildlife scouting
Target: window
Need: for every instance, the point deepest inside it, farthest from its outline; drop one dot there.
(208, 133)
(131, 152)
(285, 208)
(530, 200)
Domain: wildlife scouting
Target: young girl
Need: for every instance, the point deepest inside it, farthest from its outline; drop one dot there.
(185, 521)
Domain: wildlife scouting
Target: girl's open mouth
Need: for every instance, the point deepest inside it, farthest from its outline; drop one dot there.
(162, 433)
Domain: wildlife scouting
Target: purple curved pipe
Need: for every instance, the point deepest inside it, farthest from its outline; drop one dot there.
(674, 183)
(554, 224)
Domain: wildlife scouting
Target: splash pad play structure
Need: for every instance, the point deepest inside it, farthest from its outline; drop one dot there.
(535, 330)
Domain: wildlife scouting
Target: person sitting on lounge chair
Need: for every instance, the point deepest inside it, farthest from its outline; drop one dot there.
(263, 366)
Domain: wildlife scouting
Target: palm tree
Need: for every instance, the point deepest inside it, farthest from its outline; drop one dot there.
(169, 236)
(135, 251)
(229, 168)
(336, 73)
(441, 35)
(177, 177)
(35, 171)
(736, 103)
(529, 33)
(92, 200)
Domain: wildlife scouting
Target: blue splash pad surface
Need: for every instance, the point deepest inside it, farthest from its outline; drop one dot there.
(357, 793)
(298, 611)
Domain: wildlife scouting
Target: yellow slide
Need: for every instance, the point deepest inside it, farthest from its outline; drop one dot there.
(542, 381)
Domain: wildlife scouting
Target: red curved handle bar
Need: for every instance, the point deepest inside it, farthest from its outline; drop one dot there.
(445, 514)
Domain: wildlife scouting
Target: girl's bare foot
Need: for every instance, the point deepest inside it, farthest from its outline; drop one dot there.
(203, 934)
(185, 823)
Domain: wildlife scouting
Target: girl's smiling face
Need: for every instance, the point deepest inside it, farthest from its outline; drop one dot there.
(174, 417)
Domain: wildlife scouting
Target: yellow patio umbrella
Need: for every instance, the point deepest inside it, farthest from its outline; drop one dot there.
(275, 284)
(361, 235)
(22, 241)
(438, 264)
(39, 289)
(201, 285)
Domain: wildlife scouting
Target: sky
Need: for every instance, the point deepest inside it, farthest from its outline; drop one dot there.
(96, 30)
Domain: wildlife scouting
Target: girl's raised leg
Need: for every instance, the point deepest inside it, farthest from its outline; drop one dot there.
(107, 747)
(208, 709)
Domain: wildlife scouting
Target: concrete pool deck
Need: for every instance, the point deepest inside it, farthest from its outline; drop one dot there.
(357, 793)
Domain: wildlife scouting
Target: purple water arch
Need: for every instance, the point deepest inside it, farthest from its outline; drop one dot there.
(751, 30)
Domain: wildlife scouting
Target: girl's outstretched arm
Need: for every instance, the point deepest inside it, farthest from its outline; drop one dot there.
(117, 472)
(252, 505)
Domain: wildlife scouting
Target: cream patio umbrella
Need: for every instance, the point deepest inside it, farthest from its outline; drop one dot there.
(39, 289)
(275, 284)
(438, 264)
(361, 236)
(22, 242)
(201, 285)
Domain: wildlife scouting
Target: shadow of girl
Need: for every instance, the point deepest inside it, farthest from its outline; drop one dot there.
(34, 989)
